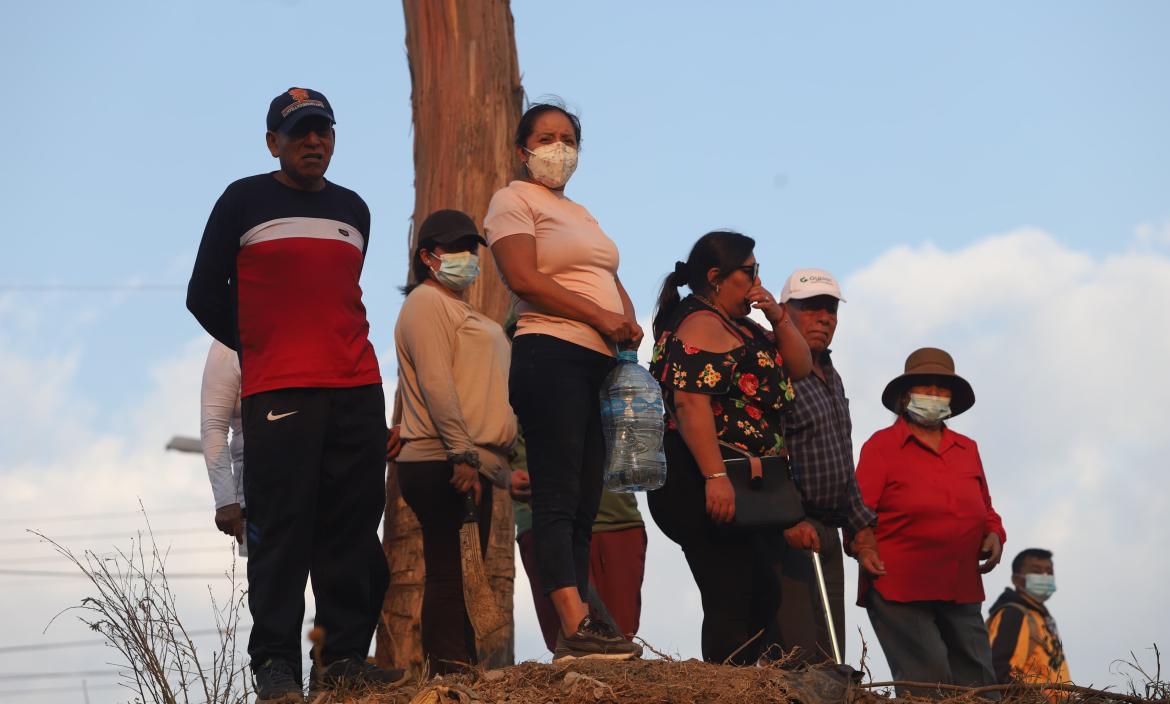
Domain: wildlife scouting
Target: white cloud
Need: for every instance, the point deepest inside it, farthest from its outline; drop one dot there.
(38, 389)
(1153, 234)
(1066, 354)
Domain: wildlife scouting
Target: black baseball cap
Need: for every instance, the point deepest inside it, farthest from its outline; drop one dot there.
(294, 105)
(447, 226)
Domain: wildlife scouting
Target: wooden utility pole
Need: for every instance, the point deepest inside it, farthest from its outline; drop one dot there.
(466, 100)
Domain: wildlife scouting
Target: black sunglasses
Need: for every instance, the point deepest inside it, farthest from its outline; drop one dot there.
(752, 270)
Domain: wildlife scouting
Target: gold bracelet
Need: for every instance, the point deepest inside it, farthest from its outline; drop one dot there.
(715, 475)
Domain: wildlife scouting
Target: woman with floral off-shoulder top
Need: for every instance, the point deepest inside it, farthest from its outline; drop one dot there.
(726, 382)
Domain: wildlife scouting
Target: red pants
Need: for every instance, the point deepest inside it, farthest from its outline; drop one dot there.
(617, 561)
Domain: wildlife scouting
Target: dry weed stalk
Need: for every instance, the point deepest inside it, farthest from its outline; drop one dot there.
(134, 607)
(1151, 684)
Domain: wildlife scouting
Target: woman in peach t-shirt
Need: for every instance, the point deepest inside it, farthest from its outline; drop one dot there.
(573, 314)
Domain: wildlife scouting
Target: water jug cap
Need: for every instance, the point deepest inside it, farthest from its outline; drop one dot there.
(628, 356)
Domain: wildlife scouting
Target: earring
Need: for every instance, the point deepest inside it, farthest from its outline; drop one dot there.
(716, 288)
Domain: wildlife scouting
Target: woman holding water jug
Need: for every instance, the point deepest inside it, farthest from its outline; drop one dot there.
(573, 316)
(726, 383)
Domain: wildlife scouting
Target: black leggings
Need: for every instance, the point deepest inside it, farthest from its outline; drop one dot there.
(554, 387)
(734, 572)
(448, 640)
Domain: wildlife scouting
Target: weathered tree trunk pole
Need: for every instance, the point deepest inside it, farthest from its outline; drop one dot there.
(466, 99)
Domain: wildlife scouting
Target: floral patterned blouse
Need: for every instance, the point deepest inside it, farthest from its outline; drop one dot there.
(751, 386)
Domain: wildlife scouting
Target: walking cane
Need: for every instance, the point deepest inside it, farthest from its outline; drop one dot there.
(816, 558)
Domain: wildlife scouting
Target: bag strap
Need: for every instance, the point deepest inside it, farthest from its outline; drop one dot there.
(1032, 628)
(755, 464)
(712, 308)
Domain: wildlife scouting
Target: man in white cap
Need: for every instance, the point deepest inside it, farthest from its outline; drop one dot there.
(821, 450)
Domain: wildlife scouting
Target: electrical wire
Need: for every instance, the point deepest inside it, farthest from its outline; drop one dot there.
(224, 548)
(18, 676)
(48, 288)
(82, 575)
(60, 518)
(66, 644)
(58, 690)
(102, 536)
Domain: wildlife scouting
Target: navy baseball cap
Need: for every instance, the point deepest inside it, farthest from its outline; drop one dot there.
(294, 105)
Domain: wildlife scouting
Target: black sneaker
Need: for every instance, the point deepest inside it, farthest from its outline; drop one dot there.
(276, 683)
(595, 640)
(353, 673)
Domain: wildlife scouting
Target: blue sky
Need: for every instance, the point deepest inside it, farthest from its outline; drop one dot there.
(888, 142)
(827, 136)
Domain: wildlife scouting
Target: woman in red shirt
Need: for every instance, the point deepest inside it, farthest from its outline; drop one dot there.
(935, 524)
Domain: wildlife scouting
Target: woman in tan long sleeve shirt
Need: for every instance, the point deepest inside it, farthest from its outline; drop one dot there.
(457, 426)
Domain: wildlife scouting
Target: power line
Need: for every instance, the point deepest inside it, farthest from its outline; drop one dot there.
(60, 518)
(100, 536)
(58, 690)
(225, 548)
(82, 575)
(66, 644)
(90, 287)
(18, 676)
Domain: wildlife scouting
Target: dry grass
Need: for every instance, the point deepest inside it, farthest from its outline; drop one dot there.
(1144, 680)
(133, 606)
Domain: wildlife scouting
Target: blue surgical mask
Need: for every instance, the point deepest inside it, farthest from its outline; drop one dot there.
(1040, 586)
(928, 410)
(457, 270)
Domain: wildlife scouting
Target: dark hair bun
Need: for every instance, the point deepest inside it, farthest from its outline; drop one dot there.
(681, 275)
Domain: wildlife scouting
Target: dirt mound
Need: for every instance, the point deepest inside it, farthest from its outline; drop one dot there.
(683, 682)
(642, 681)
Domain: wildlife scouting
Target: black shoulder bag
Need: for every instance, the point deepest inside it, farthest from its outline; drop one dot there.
(766, 497)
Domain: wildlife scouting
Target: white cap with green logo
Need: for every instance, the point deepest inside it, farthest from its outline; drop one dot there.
(806, 283)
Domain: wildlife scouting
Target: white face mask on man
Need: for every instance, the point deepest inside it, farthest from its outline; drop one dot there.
(552, 165)
(1039, 586)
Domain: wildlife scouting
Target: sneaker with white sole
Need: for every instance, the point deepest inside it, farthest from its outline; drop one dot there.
(595, 640)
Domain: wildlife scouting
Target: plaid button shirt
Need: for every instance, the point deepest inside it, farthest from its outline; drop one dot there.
(818, 434)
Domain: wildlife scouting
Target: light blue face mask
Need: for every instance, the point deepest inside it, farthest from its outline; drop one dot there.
(1040, 586)
(928, 410)
(457, 270)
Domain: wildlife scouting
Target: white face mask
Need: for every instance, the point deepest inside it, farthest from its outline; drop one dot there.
(552, 164)
(928, 410)
(457, 270)
(1040, 586)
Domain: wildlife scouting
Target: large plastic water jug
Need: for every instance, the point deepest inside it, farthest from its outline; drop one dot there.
(632, 421)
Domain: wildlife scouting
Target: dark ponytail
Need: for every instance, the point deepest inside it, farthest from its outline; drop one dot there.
(419, 271)
(722, 249)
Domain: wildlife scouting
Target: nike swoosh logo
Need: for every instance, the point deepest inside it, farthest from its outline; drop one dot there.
(275, 416)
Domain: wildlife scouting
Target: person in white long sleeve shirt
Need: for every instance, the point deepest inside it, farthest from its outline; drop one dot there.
(219, 413)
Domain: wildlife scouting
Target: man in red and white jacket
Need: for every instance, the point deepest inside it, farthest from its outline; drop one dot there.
(276, 279)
